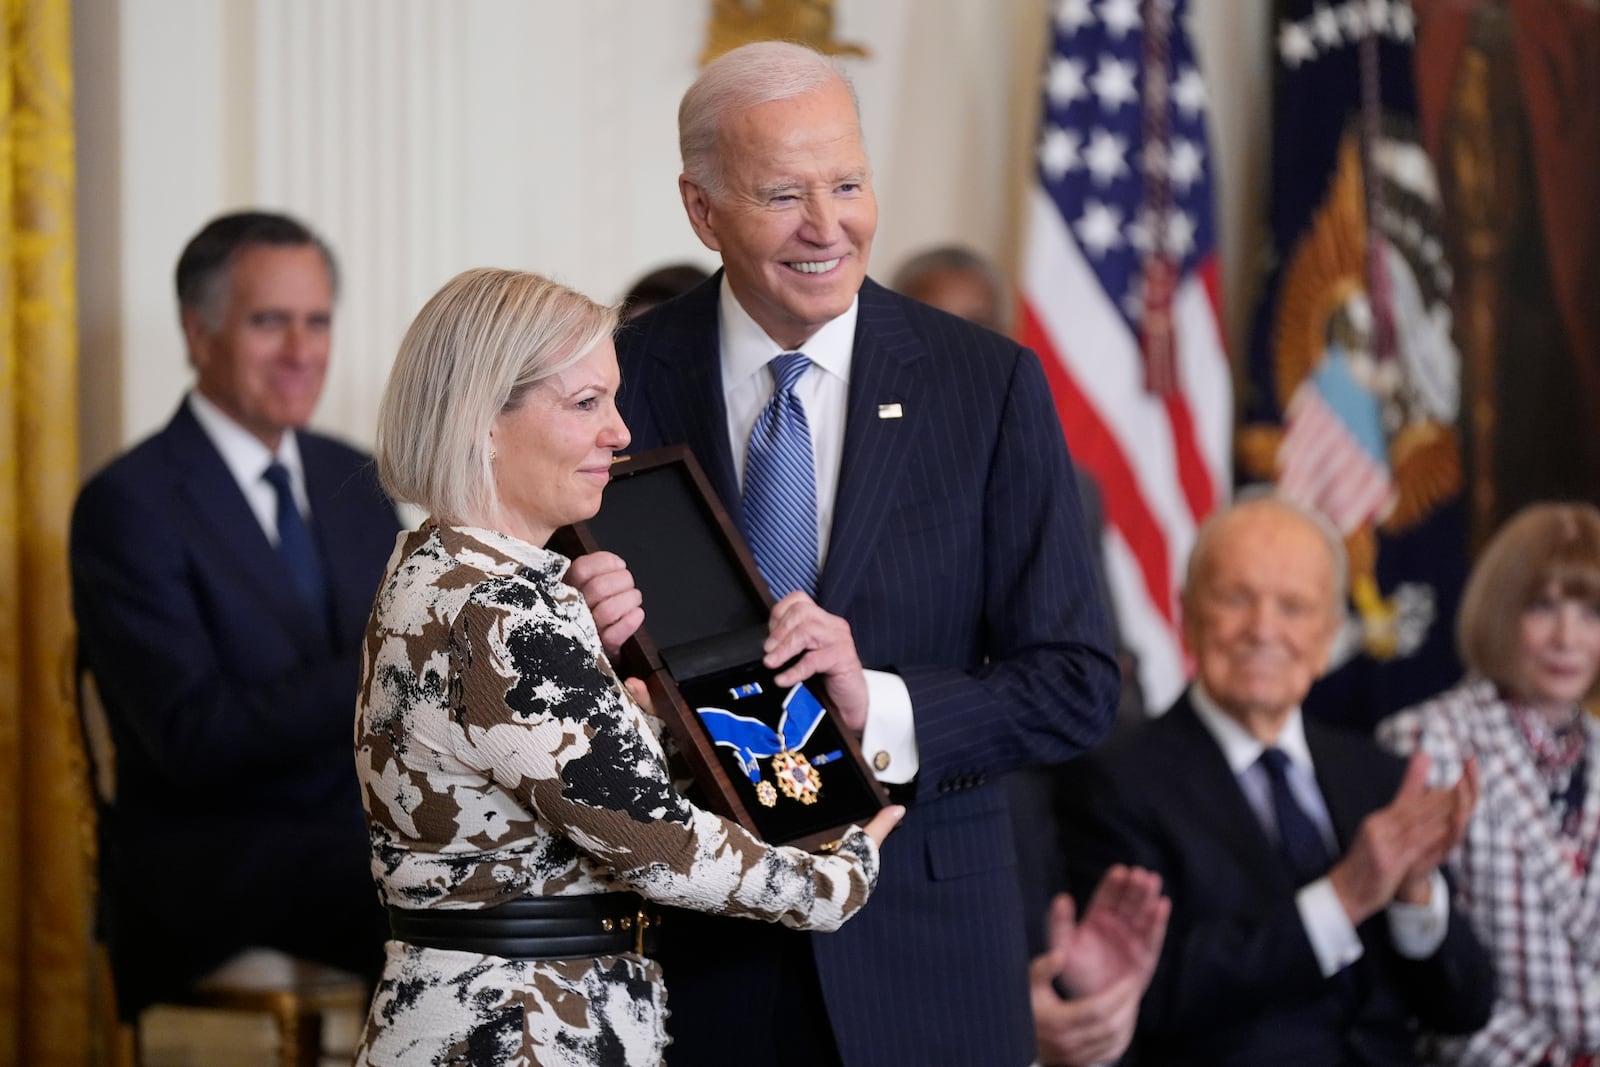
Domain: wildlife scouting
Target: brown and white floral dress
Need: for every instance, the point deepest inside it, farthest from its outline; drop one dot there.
(501, 758)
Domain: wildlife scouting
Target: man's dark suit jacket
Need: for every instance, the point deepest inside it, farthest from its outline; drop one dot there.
(237, 819)
(958, 556)
(1238, 983)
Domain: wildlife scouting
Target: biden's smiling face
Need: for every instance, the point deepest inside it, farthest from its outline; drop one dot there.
(795, 218)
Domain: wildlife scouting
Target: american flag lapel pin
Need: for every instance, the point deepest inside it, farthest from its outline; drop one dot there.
(889, 411)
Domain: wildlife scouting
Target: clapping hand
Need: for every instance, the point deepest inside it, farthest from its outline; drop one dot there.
(1400, 844)
(1104, 962)
(1464, 798)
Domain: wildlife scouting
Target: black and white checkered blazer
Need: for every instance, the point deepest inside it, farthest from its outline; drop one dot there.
(1534, 903)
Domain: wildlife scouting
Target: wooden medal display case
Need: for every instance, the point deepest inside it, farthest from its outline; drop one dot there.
(706, 610)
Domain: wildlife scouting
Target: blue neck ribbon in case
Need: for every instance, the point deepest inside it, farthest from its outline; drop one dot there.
(752, 740)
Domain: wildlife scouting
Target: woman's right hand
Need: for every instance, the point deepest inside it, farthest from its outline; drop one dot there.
(883, 822)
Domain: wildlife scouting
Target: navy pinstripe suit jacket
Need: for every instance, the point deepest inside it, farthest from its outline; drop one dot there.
(958, 555)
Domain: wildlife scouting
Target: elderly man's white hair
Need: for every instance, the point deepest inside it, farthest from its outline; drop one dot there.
(746, 77)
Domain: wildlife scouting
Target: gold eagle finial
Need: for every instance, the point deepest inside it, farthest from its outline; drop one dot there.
(807, 22)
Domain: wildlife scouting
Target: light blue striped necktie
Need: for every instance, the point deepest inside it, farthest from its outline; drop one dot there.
(780, 485)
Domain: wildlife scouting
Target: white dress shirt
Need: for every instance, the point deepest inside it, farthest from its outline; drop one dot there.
(889, 741)
(247, 460)
(1417, 930)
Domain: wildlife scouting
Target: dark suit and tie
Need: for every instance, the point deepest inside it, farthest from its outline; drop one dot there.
(226, 663)
(1253, 816)
(958, 556)
(951, 565)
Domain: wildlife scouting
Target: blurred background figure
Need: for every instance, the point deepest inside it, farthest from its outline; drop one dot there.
(222, 572)
(659, 286)
(1529, 632)
(958, 280)
(1310, 923)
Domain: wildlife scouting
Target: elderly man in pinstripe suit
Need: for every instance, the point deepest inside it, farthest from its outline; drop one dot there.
(951, 562)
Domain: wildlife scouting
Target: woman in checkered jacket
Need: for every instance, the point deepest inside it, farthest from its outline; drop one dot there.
(1529, 630)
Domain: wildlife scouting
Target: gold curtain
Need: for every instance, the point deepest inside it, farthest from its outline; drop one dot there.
(45, 942)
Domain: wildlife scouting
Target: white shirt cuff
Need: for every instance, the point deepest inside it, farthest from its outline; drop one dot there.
(1333, 937)
(889, 741)
(1418, 930)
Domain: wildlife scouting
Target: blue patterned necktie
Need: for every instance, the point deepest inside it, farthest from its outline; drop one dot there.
(780, 485)
(296, 546)
(1300, 842)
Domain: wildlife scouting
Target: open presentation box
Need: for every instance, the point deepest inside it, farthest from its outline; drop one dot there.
(778, 762)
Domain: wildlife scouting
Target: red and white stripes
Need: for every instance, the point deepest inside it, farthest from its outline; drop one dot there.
(1324, 466)
(1162, 462)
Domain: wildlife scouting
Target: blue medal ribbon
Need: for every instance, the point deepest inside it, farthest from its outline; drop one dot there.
(751, 739)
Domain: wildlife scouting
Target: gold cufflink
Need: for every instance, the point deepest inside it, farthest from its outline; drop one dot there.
(880, 760)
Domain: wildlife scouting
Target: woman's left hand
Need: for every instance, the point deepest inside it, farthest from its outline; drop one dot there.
(798, 627)
(640, 694)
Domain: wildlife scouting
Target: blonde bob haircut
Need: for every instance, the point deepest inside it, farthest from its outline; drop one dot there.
(474, 350)
(1543, 547)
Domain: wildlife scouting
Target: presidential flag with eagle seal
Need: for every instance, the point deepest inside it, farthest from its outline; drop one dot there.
(1353, 383)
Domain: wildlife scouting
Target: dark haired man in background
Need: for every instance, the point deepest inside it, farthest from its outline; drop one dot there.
(222, 572)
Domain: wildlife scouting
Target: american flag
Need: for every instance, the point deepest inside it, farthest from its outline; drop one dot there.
(1333, 456)
(1120, 296)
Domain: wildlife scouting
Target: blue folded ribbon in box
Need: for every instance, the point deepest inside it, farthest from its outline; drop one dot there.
(748, 742)
(752, 740)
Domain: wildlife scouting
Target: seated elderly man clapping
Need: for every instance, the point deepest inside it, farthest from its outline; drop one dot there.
(1310, 924)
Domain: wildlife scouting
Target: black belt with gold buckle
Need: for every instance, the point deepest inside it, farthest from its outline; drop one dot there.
(536, 928)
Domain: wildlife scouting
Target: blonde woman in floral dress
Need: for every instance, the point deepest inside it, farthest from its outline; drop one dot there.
(522, 819)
